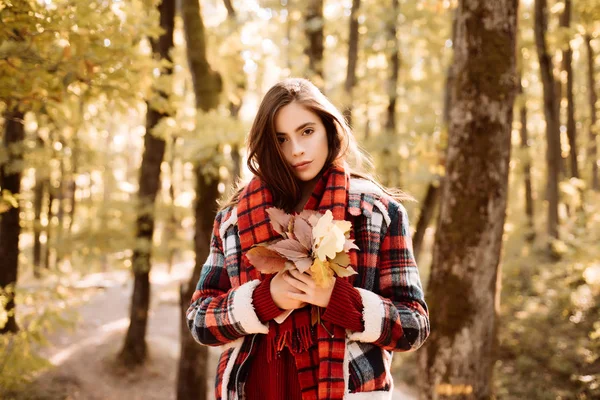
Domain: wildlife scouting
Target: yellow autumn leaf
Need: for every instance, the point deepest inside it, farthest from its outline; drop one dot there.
(341, 271)
(321, 273)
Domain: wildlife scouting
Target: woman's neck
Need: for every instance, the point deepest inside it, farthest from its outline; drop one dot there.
(307, 189)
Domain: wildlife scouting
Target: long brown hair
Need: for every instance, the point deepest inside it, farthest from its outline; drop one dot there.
(267, 162)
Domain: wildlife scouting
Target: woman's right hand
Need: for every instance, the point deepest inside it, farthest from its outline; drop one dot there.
(279, 290)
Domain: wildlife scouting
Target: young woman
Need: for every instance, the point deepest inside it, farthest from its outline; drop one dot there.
(303, 156)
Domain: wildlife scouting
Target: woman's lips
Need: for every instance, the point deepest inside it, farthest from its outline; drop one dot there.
(302, 166)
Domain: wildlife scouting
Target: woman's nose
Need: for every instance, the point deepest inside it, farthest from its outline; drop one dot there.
(297, 149)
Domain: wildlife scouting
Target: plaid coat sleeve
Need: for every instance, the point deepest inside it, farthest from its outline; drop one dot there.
(396, 316)
(219, 314)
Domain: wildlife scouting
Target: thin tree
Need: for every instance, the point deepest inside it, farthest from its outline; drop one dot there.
(38, 202)
(10, 221)
(352, 60)
(567, 57)
(193, 361)
(458, 357)
(526, 164)
(553, 157)
(391, 173)
(592, 98)
(239, 88)
(134, 349)
(432, 193)
(313, 28)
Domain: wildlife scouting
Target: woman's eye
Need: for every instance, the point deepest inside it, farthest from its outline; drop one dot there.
(280, 139)
(308, 131)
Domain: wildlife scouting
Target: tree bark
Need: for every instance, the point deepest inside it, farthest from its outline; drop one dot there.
(10, 226)
(463, 291)
(313, 28)
(432, 195)
(565, 21)
(206, 81)
(352, 60)
(553, 155)
(38, 201)
(134, 349)
(193, 361)
(173, 224)
(526, 167)
(240, 88)
(427, 213)
(592, 147)
(72, 184)
(392, 169)
(49, 234)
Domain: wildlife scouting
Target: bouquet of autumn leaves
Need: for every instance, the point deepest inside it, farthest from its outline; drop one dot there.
(310, 241)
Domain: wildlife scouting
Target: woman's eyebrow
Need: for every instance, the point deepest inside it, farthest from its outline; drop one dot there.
(304, 125)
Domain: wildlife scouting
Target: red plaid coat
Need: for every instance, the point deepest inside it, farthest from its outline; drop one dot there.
(395, 314)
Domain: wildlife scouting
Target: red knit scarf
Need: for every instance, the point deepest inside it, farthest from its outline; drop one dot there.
(320, 365)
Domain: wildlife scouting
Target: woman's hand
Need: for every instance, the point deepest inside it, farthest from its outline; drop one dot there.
(307, 290)
(281, 291)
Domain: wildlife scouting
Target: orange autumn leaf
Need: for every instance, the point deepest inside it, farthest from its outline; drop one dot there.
(265, 260)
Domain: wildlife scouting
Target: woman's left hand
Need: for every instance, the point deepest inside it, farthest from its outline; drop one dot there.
(311, 292)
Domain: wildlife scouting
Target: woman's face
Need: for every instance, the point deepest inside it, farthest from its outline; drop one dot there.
(302, 139)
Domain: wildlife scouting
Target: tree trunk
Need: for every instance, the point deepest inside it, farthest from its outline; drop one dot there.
(352, 60)
(565, 21)
(592, 147)
(432, 195)
(392, 169)
(72, 185)
(526, 168)
(553, 157)
(206, 81)
(134, 349)
(10, 226)
(427, 213)
(240, 88)
(172, 225)
(49, 235)
(193, 361)
(193, 365)
(457, 360)
(38, 201)
(59, 250)
(313, 27)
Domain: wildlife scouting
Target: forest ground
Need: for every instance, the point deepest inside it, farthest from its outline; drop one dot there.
(83, 359)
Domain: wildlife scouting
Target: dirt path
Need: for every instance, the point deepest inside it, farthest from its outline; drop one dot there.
(84, 359)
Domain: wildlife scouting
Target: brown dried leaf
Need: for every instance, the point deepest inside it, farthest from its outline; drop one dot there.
(265, 260)
(349, 244)
(310, 216)
(279, 220)
(303, 233)
(303, 264)
(292, 249)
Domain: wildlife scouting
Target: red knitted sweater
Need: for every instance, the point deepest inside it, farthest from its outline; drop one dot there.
(278, 379)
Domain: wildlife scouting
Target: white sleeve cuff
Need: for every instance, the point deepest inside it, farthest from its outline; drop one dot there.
(373, 316)
(242, 310)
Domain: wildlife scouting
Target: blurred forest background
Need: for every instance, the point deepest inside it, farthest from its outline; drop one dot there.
(124, 121)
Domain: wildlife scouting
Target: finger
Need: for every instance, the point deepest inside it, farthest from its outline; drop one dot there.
(298, 296)
(303, 277)
(295, 283)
